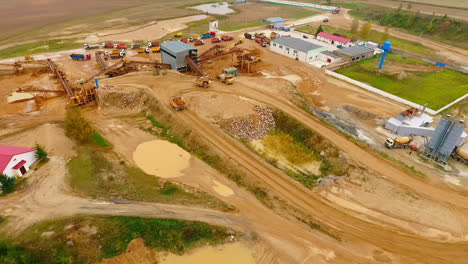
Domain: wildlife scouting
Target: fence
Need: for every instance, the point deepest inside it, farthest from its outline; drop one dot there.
(406, 54)
(391, 96)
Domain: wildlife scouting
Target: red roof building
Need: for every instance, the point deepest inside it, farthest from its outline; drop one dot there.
(16, 160)
(333, 39)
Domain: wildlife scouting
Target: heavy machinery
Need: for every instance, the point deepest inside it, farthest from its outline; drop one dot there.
(460, 155)
(226, 78)
(273, 35)
(394, 143)
(177, 103)
(178, 34)
(199, 42)
(80, 57)
(81, 96)
(215, 40)
(88, 46)
(203, 81)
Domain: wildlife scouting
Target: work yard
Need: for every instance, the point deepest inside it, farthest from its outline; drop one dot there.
(411, 79)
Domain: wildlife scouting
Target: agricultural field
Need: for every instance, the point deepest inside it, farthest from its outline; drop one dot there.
(411, 79)
(435, 27)
(448, 3)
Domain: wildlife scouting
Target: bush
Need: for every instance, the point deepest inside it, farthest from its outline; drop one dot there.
(40, 154)
(76, 126)
(11, 254)
(8, 185)
(99, 140)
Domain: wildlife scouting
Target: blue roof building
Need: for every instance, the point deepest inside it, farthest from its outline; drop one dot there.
(276, 22)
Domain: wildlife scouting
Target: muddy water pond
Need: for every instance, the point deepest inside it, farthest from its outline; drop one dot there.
(221, 8)
(161, 158)
(236, 253)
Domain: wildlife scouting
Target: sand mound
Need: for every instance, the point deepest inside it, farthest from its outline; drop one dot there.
(161, 158)
(137, 253)
(228, 254)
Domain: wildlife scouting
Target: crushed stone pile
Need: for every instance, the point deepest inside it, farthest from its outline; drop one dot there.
(121, 99)
(251, 127)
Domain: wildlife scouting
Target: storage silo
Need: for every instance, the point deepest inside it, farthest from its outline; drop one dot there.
(444, 140)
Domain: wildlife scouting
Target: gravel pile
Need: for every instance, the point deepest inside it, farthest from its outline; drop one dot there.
(252, 127)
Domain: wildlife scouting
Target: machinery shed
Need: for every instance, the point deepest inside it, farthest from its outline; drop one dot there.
(175, 52)
(276, 22)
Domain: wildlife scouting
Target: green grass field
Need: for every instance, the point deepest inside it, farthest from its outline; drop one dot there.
(39, 47)
(437, 88)
(111, 236)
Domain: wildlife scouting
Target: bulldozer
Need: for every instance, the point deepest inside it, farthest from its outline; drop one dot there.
(226, 78)
(203, 81)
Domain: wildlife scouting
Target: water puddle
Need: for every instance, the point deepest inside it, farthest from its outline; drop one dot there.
(161, 158)
(221, 8)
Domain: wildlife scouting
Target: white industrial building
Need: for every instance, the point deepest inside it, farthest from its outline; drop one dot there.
(297, 48)
(16, 161)
(328, 57)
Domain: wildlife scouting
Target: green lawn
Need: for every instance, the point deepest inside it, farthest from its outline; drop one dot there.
(436, 88)
(39, 47)
(72, 240)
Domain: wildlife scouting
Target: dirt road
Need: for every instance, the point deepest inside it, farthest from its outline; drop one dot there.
(352, 226)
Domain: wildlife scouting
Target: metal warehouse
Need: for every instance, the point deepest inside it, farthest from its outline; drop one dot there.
(276, 22)
(296, 48)
(175, 52)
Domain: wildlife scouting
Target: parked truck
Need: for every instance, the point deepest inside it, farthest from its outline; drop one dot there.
(177, 103)
(88, 46)
(199, 42)
(120, 46)
(402, 142)
(154, 44)
(108, 45)
(80, 57)
(215, 40)
(261, 42)
(206, 35)
(135, 46)
(273, 35)
(178, 35)
(249, 36)
(226, 38)
(156, 49)
(143, 50)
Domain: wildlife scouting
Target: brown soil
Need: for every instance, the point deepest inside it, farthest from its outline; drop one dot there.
(137, 253)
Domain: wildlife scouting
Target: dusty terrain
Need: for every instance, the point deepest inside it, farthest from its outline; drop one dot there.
(381, 213)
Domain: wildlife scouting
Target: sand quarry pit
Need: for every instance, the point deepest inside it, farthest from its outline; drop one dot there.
(235, 253)
(161, 158)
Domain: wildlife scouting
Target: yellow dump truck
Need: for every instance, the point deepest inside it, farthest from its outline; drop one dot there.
(178, 34)
(177, 103)
(203, 82)
(155, 49)
(226, 78)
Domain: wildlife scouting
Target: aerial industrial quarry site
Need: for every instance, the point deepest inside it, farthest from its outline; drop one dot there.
(238, 132)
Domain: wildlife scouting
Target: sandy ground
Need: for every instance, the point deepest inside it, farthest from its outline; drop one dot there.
(376, 206)
(227, 254)
(149, 32)
(161, 158)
